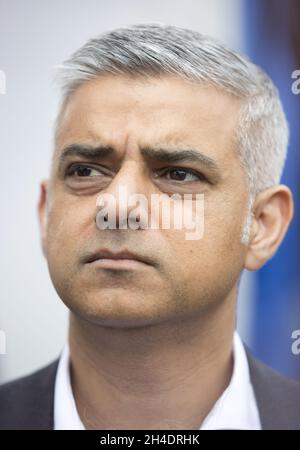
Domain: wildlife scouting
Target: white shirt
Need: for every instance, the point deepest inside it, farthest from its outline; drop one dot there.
(236, 408)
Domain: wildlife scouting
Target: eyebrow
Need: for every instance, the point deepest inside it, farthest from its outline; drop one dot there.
(168, 155)
(156, 154)
(86, 152)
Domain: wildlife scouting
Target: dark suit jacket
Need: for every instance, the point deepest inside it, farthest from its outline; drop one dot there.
(27, 403)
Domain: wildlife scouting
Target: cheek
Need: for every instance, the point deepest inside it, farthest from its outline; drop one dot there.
(214, 261)
(224, 219)
(68, 230)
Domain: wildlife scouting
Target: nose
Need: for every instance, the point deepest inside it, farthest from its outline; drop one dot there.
(125, 203)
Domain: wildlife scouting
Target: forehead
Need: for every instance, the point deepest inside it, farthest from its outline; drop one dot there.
(166, 110)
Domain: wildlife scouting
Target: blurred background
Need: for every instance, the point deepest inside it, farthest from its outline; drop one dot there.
(35, 36)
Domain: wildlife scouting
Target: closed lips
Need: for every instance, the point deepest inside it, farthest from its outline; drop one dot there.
(106, 254)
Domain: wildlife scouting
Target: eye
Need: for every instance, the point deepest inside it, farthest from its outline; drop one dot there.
(181, 174)
(83, 171)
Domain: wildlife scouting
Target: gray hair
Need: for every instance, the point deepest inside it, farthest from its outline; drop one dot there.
(153, 49)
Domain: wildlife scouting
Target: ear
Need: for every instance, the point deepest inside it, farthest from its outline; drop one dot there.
(272, 213)
(42, 213)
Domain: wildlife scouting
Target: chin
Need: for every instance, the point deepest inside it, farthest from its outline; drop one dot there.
(119, 311)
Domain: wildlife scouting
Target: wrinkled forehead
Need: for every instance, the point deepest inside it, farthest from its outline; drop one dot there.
(132, 113)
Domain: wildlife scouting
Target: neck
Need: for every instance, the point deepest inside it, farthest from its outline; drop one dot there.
(163, 376)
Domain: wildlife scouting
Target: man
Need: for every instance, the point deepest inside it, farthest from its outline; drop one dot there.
(152, 343)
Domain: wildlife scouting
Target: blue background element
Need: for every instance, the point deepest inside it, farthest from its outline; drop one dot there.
(270, 44)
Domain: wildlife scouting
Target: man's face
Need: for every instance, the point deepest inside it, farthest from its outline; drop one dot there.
(183, 277)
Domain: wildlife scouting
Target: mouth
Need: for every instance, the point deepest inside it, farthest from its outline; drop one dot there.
(123, 260)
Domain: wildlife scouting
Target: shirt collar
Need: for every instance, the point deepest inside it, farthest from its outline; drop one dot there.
(235, 409)
(66, 416)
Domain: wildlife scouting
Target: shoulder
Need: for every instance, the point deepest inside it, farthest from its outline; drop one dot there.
(277, 397)
(27, 402)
